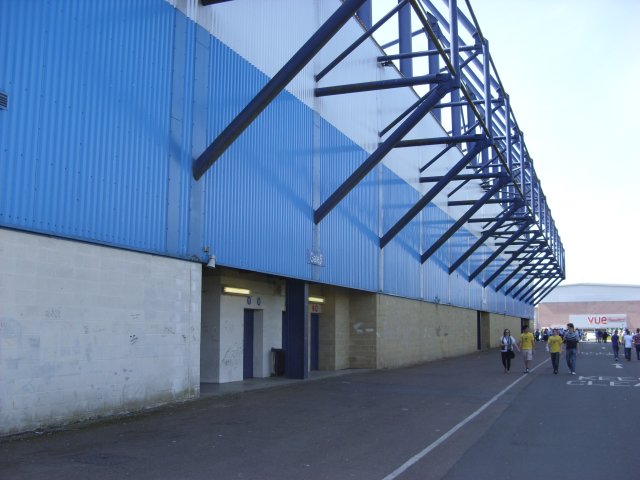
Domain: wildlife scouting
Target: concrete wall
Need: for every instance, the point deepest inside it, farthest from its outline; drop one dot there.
(411, 331)
(87, 331)
(363, 330)
(499, 323)
(334, 328)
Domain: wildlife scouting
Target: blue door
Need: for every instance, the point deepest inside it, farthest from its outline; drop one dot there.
(247, 356)
(314, 334)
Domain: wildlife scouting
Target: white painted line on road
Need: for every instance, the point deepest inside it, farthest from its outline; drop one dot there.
(416, 458)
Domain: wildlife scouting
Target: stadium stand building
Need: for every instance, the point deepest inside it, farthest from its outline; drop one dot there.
(211, 191)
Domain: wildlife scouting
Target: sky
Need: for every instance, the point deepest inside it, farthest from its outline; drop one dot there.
(571, 70)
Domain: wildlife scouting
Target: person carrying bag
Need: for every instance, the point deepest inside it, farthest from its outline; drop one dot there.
(507, 344)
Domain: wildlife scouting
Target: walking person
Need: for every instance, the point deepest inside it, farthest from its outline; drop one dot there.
(615, 344)
(554, 345)
(526, 344)
(571, 341)
(627, 343)
(507, 344)
(636, 342)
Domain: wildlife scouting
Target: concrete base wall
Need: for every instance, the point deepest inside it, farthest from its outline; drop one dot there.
(88, 331)
(411, 331)
(363, 330)
(499, 323)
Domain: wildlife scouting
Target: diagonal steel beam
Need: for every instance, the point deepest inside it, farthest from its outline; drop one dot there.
(360, 39)
(485, 235)
(535, 277)
(526, 285)
(502, 181)
(514, 256)
(462, 203)
(385, 147)
(538, 287)
(540, 296)
(382, 84)
(274, 86)
(463, 176)
(422, 142)
(433, 192)
(530, 263)
(499, 250)
(525, 262)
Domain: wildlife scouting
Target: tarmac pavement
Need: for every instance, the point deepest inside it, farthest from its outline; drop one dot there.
(459, 418)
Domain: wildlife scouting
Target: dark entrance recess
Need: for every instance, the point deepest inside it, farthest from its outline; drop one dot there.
(314, 336)
(247, 356)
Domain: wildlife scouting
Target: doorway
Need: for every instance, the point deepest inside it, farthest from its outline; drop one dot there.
(314, 342)
(247, 355)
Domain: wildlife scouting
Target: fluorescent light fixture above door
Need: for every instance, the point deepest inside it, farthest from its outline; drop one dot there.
(236, 291)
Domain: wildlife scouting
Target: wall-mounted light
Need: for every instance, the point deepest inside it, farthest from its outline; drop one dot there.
(236, 291)
(316, 300)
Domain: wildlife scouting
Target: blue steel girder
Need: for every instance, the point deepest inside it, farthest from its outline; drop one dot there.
(538, 288)
(533, 262)
(541, 279)
(514, 256)
(534, 274)
(370, 30)
(383, 149)
(508, 114)
(433, 192)
(512, 238)
(274, 86)
(523, 264)
(471, 81)
(537, 298)
(500, 220)
(500, 183)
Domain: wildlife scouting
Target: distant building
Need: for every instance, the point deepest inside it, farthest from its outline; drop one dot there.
(591, 306)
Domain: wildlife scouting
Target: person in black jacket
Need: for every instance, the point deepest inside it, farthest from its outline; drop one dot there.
(571, 341)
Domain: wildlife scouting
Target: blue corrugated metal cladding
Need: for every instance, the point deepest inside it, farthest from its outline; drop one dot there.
(111, 101)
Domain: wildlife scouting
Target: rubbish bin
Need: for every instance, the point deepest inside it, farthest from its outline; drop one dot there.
(278, 361)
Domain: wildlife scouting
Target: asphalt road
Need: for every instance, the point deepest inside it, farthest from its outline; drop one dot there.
(460, 418)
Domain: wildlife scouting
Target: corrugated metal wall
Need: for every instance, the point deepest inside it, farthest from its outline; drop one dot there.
(85, 138)
(349, 236)
(110, 103)
(402, 267)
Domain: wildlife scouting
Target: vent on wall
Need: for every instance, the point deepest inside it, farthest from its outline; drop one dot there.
(4, 101)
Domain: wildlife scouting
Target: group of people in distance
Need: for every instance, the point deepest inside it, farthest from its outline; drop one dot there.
(627, 341)
(568, 340)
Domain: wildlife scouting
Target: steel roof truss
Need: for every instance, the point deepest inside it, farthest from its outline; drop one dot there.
(499, 250)
(429, 100)
(514, 256)
(484, 237)
(433, 192)
(274, 86)
(500, 183)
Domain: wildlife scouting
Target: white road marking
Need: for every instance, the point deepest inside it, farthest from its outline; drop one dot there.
(417, 457)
